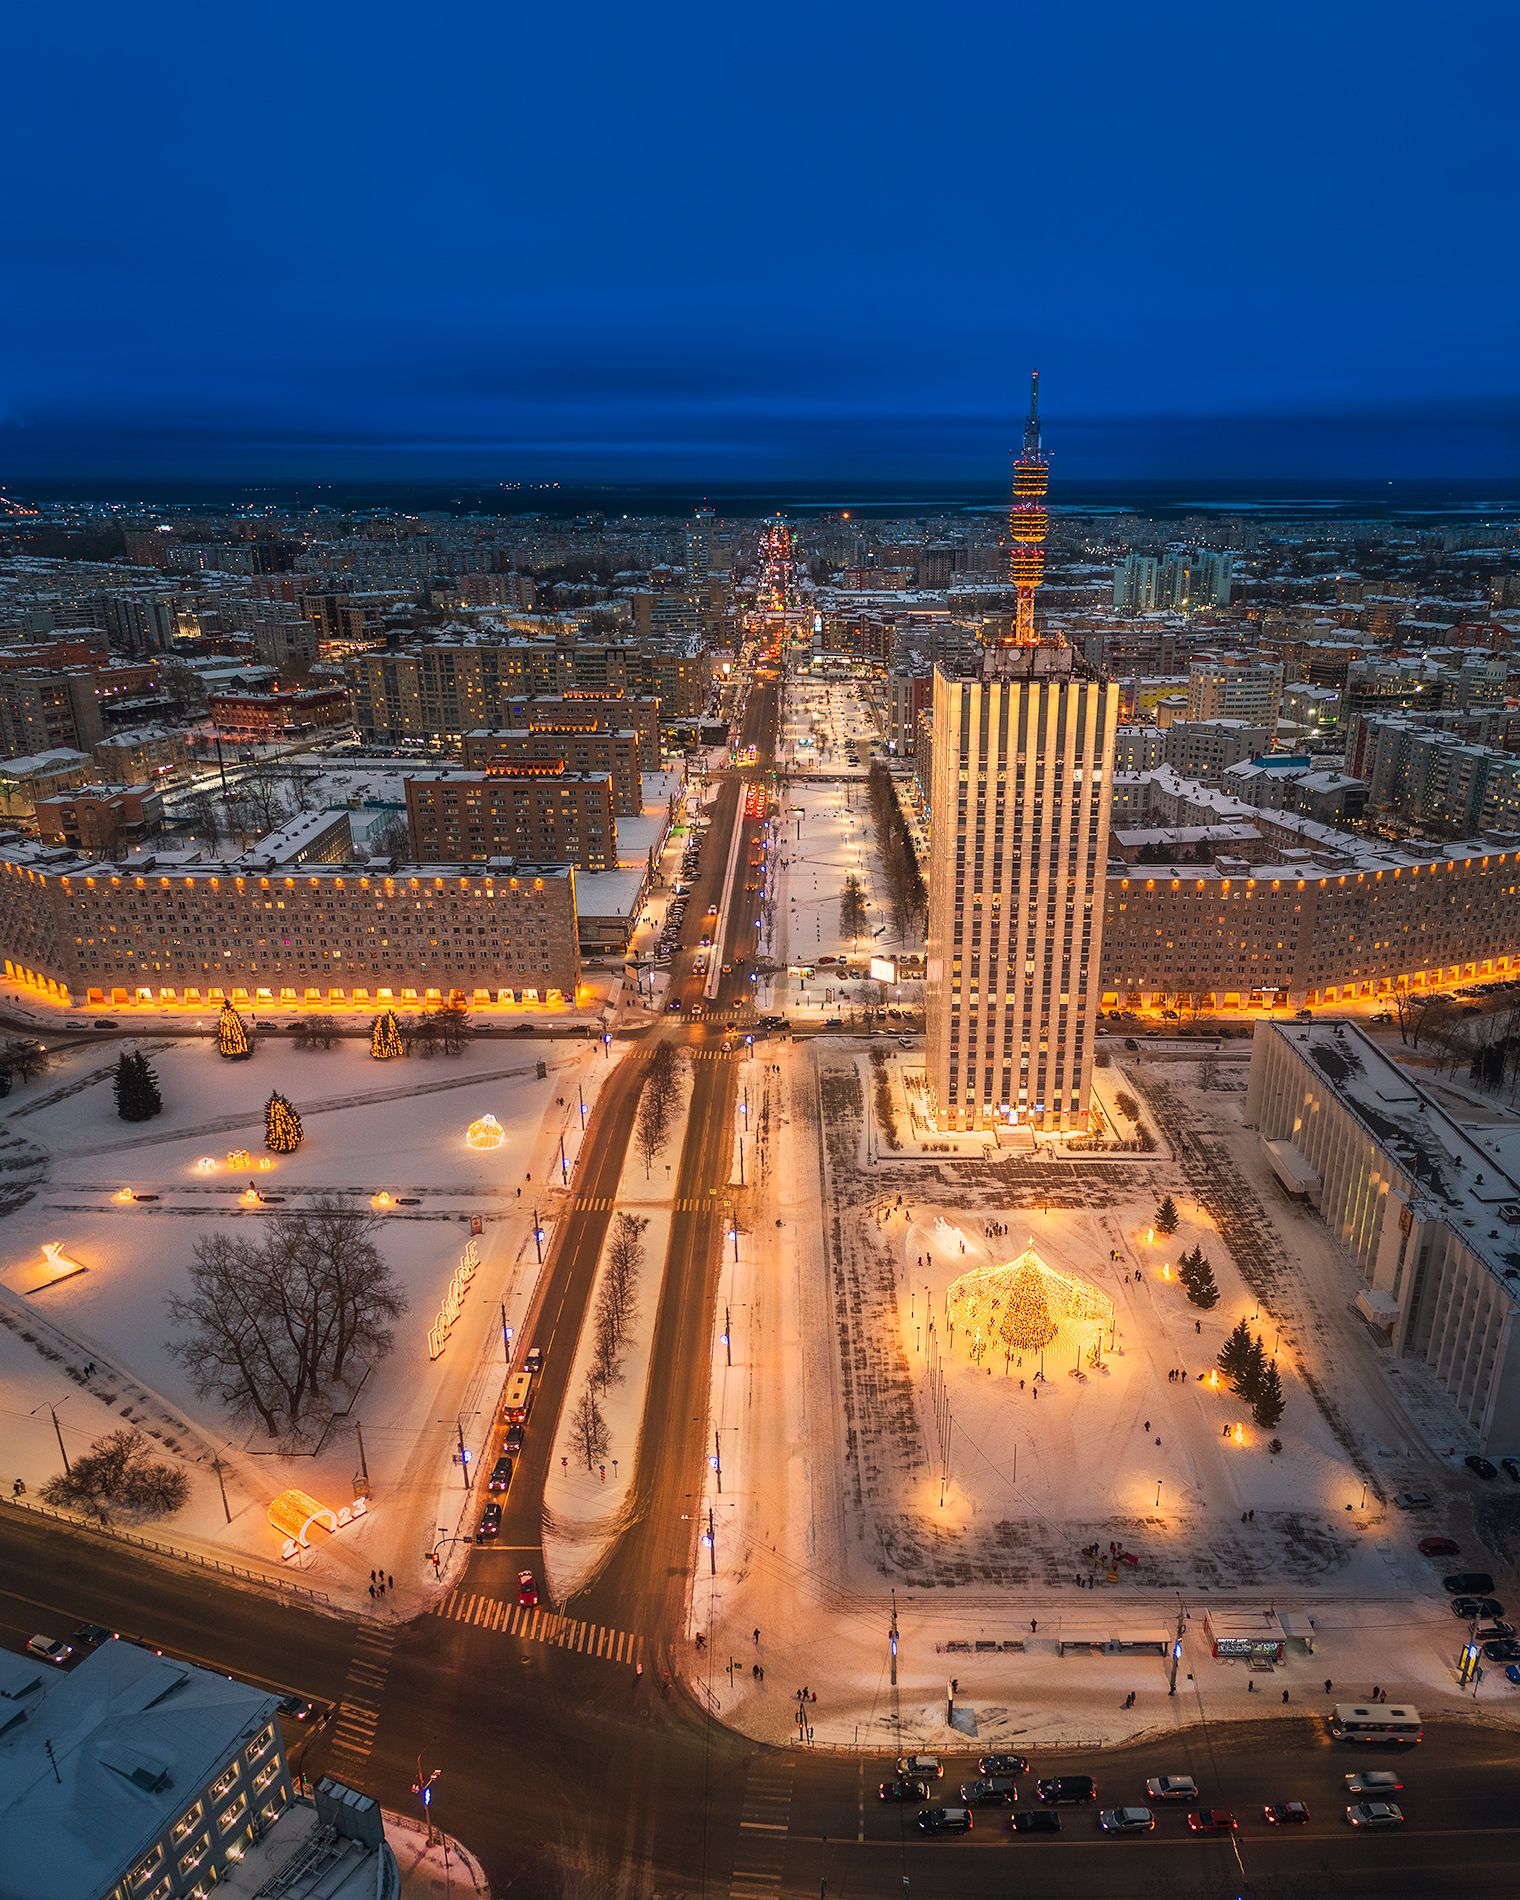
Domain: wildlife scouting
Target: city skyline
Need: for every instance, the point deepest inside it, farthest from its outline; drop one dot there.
(709, 256)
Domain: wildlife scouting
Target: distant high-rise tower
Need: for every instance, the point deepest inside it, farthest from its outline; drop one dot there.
(1029, 519)
(1019, 779)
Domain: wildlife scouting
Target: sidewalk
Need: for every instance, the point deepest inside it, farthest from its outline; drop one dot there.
(428, 1871)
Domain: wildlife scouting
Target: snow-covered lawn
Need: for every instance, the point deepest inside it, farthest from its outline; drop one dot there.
(397, 1128)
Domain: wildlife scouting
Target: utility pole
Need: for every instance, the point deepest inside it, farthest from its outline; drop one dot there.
(538, 1238)
(506, 1334)
(58, 1430)
(741, 1157)
(216, 1466)
(564, 1165)
(363, 1465)
(1171, 1687)
(893, 1635)
(728, 1335)
(712, 1544)
(464, 1456)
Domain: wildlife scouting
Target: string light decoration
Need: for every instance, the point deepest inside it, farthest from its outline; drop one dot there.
(1023, 1305)
(232, 1036)
(385, 1037)
(283, 1132)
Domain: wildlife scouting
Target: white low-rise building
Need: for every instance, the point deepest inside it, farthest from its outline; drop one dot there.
(1428, 1214)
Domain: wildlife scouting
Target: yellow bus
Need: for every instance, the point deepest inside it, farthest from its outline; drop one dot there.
(518, 1401)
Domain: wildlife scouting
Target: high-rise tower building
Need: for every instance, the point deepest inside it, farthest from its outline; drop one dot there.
(1020, 785)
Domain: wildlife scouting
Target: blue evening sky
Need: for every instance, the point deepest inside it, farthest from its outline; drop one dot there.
(783, 241)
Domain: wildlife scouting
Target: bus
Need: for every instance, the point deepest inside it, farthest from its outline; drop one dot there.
(518, 1401)
(1376, 1722)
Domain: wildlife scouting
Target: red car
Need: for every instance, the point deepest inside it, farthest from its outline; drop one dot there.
(527, 1590)
(1439, 1547)
(1212, 1821)
(1287, 1813)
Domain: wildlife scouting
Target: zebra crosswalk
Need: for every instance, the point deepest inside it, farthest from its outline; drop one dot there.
(543, 1626)
(683, 1204)
(764, 1823)
(353, 1729)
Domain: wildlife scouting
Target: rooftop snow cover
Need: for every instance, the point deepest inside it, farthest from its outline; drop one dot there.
(135, 1737)
(1463, 1182)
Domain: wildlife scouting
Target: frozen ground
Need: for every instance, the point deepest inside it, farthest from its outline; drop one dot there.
(868, 1459)
(397, 1127)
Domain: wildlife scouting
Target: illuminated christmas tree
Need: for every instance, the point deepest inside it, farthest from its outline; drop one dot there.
(232, 1036)
(283, 1133)
(1027, 1322)
(385, 1037)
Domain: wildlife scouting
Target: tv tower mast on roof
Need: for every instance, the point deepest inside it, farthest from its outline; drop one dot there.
(1029, 519)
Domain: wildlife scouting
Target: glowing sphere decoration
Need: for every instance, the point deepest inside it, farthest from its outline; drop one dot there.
(487, 1132)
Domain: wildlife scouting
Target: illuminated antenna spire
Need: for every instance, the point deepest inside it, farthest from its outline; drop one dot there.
(1029, 519)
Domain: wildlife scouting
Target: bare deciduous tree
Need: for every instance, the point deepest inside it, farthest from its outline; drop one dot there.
(120, 1471)
(658, 1103)
(280, 1326)
(589, 1429)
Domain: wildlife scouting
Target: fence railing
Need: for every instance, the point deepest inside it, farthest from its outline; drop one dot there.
(237, 1573)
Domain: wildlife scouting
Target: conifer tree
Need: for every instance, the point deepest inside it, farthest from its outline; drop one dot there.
(283, 1133)
(1235, 1353)
(1166, 1215)
(385, 1037)
(1267, 1406)
(232, 1036)
(1253, 1373)
(1202, 1288)
(136, 1086)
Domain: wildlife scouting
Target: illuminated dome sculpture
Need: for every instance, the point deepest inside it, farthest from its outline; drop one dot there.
(1024, 1305)
(485, 1133)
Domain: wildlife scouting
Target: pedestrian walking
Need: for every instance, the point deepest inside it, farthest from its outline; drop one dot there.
(1329, 1685)
(1034, 1624)
(390, 1583)
(757, 1639)
(754, 1670)
(1285, 1695)
(371, 1593)
(1252, 1687)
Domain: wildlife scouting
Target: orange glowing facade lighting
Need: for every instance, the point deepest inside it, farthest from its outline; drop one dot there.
(1029, 519)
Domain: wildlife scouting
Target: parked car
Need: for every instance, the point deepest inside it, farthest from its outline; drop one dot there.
(1172, 1788)
(1480, 1467)
(1212, 1821)
(1035, 1821)
(1414, 1500)
(904, 1788)
(1377, 1781)
(91, 1633)
(1511, 1468)
(1468, 1583)
(929, 1767)
(1376, 1814)
(50, 1648)
(1286, 1813)
(1126, 1821)
(1493, 1631)
(1439, 1547)
(1505, 1650)
(1512, 1674)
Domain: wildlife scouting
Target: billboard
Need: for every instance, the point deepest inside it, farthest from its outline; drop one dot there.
(883, 970)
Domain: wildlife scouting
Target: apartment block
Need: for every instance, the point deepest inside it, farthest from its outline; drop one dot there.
(80, 931)
(582, 748)
(539, 811)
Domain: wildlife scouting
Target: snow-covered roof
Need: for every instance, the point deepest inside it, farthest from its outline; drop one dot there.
(96, 1764)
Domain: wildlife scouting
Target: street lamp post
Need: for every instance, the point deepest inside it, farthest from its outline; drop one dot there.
(538, 1238)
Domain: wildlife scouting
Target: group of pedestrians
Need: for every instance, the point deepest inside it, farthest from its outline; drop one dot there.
(379, 1583)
